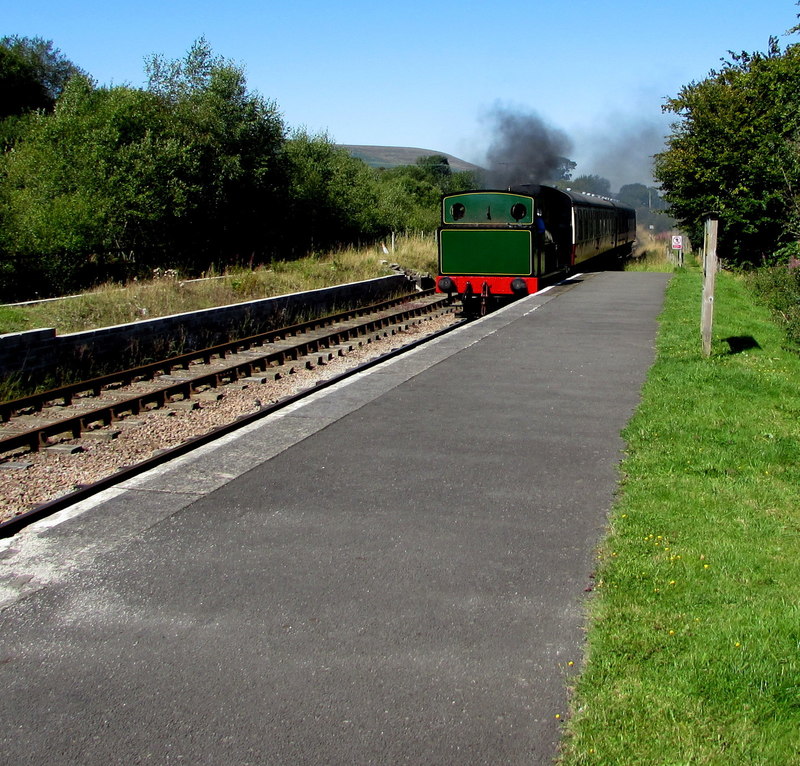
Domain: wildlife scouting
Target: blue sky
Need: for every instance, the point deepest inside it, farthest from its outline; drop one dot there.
(429, 74)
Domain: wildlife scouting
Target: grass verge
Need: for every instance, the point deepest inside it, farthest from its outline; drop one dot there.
(112, 304)
(167, 294)
(694, 635)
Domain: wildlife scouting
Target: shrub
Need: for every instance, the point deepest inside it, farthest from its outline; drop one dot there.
(778, 287)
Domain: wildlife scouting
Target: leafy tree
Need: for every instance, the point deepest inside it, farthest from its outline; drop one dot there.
(20, 88)
(192, 170)
(412, 193)
(33, 75)
(334, 197)
(50, 68)
(435, 166)
(734, 150)
(412, 199)
(118, 180)
(233, 158)
(637, 195)
(85, 187)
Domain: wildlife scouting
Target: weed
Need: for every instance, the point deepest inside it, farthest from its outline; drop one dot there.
(778, 287)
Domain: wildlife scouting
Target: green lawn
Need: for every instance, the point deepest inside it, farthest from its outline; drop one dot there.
(694, 628)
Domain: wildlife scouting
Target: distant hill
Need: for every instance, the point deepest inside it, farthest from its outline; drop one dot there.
(396, 156)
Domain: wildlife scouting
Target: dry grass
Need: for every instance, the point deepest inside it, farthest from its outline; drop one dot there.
(167, 294)
(651, 254)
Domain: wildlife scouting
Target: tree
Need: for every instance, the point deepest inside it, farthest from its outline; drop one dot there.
(234, 162)
(119, 180)
(191, 171)
(87, 187)
(334, 198)
(20, 88)
(51, 68)
(734, 150)
(412, 193)
(637, 195)
(33, 74)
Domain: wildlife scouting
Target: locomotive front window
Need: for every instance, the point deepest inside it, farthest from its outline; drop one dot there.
(518, 211)
(457, 211)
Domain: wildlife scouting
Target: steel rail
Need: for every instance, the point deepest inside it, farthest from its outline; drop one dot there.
(17, 523)
(66, 393)
(264, 361)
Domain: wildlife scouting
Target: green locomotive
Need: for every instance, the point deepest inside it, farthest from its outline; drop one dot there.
(495, 245)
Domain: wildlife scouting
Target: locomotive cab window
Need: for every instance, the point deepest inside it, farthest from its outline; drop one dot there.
(518, 211)
(457, 211)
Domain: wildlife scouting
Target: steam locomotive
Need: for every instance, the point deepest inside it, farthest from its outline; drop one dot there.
(497, 245)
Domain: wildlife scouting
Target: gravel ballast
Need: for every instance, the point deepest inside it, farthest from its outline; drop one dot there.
(31, 479)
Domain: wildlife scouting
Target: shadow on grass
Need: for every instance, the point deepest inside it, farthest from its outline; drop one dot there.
(739, 343)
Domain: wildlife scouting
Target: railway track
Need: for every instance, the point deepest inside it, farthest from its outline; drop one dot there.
(45, 419)
(65, 420)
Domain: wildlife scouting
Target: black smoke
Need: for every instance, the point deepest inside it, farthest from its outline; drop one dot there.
(524, 149)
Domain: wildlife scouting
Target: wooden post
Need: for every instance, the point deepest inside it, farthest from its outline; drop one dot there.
(709, 277)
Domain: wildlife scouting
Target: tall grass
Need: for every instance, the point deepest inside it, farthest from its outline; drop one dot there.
(168, 294)
(650, 254)
(694, 633)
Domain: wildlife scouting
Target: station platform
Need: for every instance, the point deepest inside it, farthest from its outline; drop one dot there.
(391, 571)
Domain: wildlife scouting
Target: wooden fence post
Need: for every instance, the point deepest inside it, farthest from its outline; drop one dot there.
(709, 277)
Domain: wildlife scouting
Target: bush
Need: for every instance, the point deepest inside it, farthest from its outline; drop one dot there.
(778, 287)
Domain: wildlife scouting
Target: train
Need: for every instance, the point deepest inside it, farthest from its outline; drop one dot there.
(495, 246)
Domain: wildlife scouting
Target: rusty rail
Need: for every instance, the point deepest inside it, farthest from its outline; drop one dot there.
(278, 348)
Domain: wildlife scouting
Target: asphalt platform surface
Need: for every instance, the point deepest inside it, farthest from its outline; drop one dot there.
(391, 572)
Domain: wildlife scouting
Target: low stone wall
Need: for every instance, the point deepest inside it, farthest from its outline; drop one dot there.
(36, 353)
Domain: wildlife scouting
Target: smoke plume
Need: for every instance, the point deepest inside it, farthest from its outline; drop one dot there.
(621, 148)
(523, 149)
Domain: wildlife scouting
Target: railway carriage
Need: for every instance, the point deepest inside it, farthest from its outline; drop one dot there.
(495, 245)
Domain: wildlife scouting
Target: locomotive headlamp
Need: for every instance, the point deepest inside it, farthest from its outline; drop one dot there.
(447, 285)
(518, 286)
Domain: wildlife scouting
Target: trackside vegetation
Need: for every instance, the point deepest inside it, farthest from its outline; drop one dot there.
(734, 150)
(193, 171)
(694, 625)
(166, 293)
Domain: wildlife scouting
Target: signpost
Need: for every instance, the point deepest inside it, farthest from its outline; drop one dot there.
(709, 278)
(677, 244)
